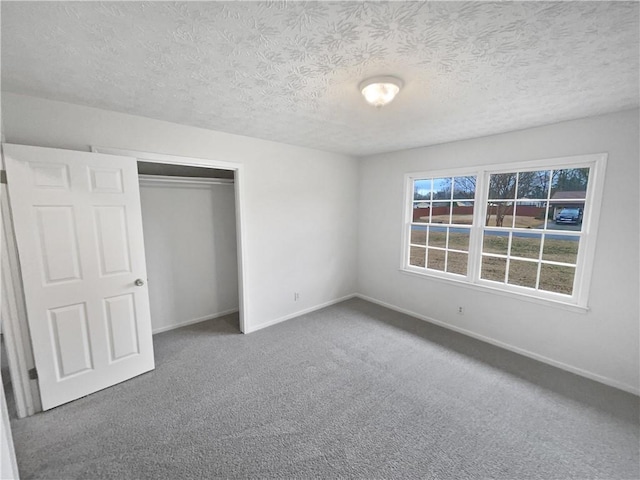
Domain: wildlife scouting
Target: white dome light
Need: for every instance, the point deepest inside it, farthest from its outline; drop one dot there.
(379, 91)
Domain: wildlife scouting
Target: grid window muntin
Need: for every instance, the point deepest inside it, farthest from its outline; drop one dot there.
(442, 207)
(506, 194)
(574, 263)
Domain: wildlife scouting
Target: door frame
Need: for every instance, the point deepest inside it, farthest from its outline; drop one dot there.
(15, 328)
(26, 390)
(7, 449)
(237, 168)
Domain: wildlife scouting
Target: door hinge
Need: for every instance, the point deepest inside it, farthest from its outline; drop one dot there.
(33, 374)
(3, 176)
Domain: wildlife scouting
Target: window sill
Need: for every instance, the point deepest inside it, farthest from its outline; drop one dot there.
(571, 307)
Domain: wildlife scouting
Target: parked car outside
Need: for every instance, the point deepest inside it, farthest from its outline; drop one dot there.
(570, 215)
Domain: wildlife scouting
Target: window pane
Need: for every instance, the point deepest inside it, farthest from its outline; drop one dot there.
(459, 239)
(422, 189)
(554, 278)
(561, 248)
(418, 235)
(436, 259)
(457, 263)
(523, 273)
(526, 245)
(569, 184)
(421, 212)
(493, 268)
(495, 242)
(530, 214)
(499, 214)
(441, 212)
(442, 188)
(566, 216)
(464, 188)
(502, 186)
(437, 236)
(462, 213)
(417, 256)
(533, 185)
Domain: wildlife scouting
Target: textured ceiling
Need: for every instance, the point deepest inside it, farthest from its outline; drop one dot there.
(288, 71)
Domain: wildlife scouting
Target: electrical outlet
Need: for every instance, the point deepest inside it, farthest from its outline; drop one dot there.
(296, 296)
(460, 310)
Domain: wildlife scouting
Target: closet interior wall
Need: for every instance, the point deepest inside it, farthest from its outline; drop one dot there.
(189, 226)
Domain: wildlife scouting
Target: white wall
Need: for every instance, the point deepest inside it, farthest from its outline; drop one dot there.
(299, 210)
(602, 343)
(190, 247)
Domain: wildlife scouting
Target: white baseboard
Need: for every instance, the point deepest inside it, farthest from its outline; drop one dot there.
(252, 329)
(569, 368)
(193, 320)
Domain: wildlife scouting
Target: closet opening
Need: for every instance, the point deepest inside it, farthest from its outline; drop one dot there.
(189, 226)
(178, 169)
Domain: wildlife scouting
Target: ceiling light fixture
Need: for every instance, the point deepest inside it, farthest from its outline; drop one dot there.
(379, 91)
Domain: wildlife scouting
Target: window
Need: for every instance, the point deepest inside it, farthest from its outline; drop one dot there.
(442, 216)
(524, 228)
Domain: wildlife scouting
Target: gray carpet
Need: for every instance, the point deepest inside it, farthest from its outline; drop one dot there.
(351, 391)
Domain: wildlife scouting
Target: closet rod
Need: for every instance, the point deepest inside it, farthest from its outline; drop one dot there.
(178, 181)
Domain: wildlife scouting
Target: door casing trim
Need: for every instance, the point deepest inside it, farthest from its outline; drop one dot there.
(238, 169)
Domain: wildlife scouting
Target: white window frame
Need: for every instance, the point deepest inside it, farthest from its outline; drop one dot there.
(587, 245)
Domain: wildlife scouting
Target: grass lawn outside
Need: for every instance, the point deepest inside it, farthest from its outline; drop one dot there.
(553, 278)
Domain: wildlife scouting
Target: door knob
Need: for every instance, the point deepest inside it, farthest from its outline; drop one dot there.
(139, 282)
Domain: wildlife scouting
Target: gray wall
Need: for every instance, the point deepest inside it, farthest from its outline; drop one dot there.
(601, 343)
(300, 204)
(190, 248)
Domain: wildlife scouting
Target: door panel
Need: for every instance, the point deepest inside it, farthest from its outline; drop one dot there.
(113, 244)
(50, 176)
(56, 229)
(78, 227)
(122, 323)
(105, 180)
(70, 338)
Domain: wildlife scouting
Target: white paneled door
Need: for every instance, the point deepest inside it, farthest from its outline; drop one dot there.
(78, 227)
